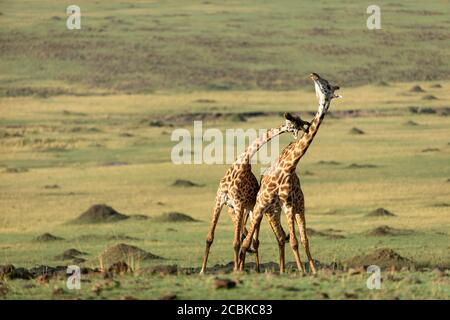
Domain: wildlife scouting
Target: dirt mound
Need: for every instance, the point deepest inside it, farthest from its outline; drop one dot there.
(334, 163)
(124, 253)
(356, 131)
(224, 284)
(174, 217)
(426, 110)
(185, 183)
(430, 150)
(329, 233)
(16, 170)
(437, 85)
(416, 89)
(429, 97)
(313, 232)
(384, 258)
(411, 123)
(71, 254)
(441, 205)
(382, 231)
(47, 237)
(52, 186)
(380, 212)
(100, 213)
(96, 237)
(361, 166)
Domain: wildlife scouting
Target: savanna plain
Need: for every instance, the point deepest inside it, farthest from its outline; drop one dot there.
(86, 120)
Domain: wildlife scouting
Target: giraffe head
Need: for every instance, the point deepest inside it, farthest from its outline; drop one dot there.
(295, 124)
(324, 91)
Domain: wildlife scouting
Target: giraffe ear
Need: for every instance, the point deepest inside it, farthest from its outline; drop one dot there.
(288, 116)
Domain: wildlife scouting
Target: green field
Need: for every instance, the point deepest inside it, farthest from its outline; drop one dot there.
(87, 115)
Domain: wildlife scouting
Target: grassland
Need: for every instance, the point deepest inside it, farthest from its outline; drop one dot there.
(145, 46)
(73, 142)
(86, 118)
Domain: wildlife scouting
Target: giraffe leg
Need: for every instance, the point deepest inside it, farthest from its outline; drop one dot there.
(258, 213)
(301, 222)
(210, 237)
(256, 246)
(293, 238)
(255, 243)
(274, 221)
(238, 220)
(244, 225)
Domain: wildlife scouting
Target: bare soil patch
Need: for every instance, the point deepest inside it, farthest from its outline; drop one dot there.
(52, 186)
(329, 233)
(333, 163)
(430, 150)
(16, 170)
(429, 97)
(100, 213)
(361, 166)
(411, 123)
(384, 258)
(356, 131)
(224, 284)
(96, 237)
(185, 183)
(441, 205)
(174, 217)
(385, 230)
(380, 212)
(71, 254)
(416, 88)
(124, 253)
(47, 237)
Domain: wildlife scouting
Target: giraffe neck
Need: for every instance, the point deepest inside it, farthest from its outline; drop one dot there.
(300, 146)
(245, 157)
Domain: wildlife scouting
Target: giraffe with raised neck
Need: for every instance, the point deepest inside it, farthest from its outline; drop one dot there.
(239, 187)
(280, 187)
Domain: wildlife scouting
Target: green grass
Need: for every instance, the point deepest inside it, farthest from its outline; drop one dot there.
(140, 47)
(255, 287)
(62, 148)
(73, 102)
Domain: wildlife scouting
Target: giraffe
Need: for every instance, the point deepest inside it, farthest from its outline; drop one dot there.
(239, 187)
(280, 187)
